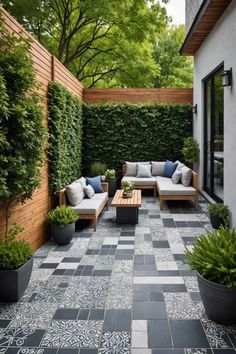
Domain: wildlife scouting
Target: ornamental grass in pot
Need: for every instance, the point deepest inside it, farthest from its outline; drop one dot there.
(62, 220)
(214, 258)
(110, 175)
(219, 215)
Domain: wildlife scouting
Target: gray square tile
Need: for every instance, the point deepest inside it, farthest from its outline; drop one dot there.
(149, 310)
(117, 320)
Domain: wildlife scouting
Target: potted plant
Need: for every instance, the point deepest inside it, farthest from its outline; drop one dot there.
(219, 215)
(98, 169)
(214, 258)
(62, 220)
(128, 188)
(112, 181)
(190, 151)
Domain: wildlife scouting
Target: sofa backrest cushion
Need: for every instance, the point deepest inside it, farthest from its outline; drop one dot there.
(186, 176)
(75, 192)
(143, 171)
(131, 167)
(89, 191)
(96, 183)
(158, 168)
(169, 168)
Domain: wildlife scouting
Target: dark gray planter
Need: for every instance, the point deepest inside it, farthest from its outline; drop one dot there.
(216, 221)
(112, 187)
(14, 282)
(218, 300)
(62, 235)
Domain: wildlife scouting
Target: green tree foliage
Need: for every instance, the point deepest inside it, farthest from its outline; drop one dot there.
(21, 122)
(65, 136)
(104, 43)
(128, 132)
(175, 70)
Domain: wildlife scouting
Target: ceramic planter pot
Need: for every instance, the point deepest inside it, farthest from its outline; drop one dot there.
(216, 221)
(128, 194)
(15, 282)
(112, 187)
(62, 235)
(218, 301)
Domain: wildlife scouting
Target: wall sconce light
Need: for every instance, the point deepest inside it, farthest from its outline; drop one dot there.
(194, 109)
(226, 78)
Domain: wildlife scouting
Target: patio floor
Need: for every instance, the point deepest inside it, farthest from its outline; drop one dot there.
(119, 290)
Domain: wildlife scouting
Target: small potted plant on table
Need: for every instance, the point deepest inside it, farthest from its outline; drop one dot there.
(213, 257)
(219, 215)
(112, 182)
(128, 188)
(62, 220)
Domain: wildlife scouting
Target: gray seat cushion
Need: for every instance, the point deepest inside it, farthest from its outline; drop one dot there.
(91, 206)
(165, 186)
(151, 181)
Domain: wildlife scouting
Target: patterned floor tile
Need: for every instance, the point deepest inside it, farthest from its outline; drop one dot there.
(180, 306)
(115, 343)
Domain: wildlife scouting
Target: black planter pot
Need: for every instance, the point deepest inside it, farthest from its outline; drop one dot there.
(216, 221)
(112, 187)
(62, 235)
(218, 300)
(15, 282)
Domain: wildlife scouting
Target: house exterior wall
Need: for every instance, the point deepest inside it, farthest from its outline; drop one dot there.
(219, 47)
(191, 9)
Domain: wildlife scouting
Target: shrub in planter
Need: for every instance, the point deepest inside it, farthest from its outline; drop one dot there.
(219, 215)
(190, 150)
(110, 175)
(214, 258)
(62, 220)
(98, 169)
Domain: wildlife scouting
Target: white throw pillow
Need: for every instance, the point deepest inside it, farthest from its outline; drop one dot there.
(143, 171)
(75, 193)
(186, 176)
(176, 177)
(89, 191)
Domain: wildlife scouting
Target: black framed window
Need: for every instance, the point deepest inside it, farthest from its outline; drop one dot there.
(214, 135)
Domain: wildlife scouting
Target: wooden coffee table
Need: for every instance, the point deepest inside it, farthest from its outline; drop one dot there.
(127, 208)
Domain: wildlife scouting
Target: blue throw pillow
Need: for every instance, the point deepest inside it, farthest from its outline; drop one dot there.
(169, 168)
(95, 182)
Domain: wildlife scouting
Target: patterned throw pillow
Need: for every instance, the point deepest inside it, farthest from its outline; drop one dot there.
(89, 191)
(144, 171)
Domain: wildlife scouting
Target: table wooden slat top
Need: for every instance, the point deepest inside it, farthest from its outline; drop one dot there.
(133, 202)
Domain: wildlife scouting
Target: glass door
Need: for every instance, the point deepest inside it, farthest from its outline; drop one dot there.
(214, 136)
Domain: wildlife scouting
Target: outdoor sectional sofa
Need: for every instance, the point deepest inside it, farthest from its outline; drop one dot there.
(88, 209)
(166, 188)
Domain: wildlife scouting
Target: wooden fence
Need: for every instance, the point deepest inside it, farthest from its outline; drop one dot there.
(130, 95)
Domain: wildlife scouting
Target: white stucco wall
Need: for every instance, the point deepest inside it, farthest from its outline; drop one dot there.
(218, 47)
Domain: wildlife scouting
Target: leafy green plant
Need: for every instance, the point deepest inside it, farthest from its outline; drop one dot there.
(214, 256)
(13, 253)
(65, 137)
(127, 186)
(221, 211)
(110, 174)
(190, 150)
(98, 169)
(62, 216)
(115, 133)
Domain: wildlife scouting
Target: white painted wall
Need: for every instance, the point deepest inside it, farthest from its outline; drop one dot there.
(218, 47)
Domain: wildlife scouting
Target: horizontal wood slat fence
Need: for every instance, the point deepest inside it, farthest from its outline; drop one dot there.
(32, 215)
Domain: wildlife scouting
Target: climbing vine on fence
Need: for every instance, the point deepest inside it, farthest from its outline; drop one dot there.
(65, 136)
(115, 133)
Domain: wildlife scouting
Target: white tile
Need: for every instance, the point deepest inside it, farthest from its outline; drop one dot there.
(126, 238)
(68, 265)
(141, 351)
(158, 280)
(88, 260)
(139, 325)
(125, 247)
(139, 339)
(177, 248)
(53, 260)
(185, 217)
(110, 241)
(142, 230)
(166, 266)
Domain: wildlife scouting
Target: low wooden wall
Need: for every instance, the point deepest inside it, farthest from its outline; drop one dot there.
(32, 215)
(130, 95)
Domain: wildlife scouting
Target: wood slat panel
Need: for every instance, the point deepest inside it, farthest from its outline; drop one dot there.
(133, 202)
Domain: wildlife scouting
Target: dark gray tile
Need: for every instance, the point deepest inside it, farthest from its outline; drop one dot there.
(179, 257)
(145, 267)
(161, 244)
(96, 314)
(168, 222)
(102, 273)
(125, 242)
(169, 273)
(127, 233)
(158, 334)
(156, 297)
(63, 248)
(88, 351)
(154, 288)
(194, 223)
(117, 320)
(69, 271)
(71, 259)
(188, 334)
(149, 259)
(195, 296)
(48, 265)
(224, 351)
(66, 314)
(4, 323)
(181, 224)
(170, 351)
(125, 252)
(140, 296)
(174, 288)
(149, 310)
(83, 314)
(58, 272)
(124, 257)
(139, 259)
(67, 351)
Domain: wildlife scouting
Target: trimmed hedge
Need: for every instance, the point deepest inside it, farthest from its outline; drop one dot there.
(65, 136)
(115, 133)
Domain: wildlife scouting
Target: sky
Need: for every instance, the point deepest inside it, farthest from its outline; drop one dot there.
(176, 9)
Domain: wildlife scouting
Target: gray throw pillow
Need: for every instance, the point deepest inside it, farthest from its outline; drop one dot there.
(131, 167)
(180, 165)
(143, 171)
(157, 168)
(75, 193)
(186, 176)
(176, 177)
(89, 191)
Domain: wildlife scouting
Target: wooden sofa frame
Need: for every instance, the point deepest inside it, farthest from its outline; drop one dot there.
(141, 186)
(63, 200)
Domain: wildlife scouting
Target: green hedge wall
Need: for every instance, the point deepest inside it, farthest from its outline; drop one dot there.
(65, 137)
(115, 133)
